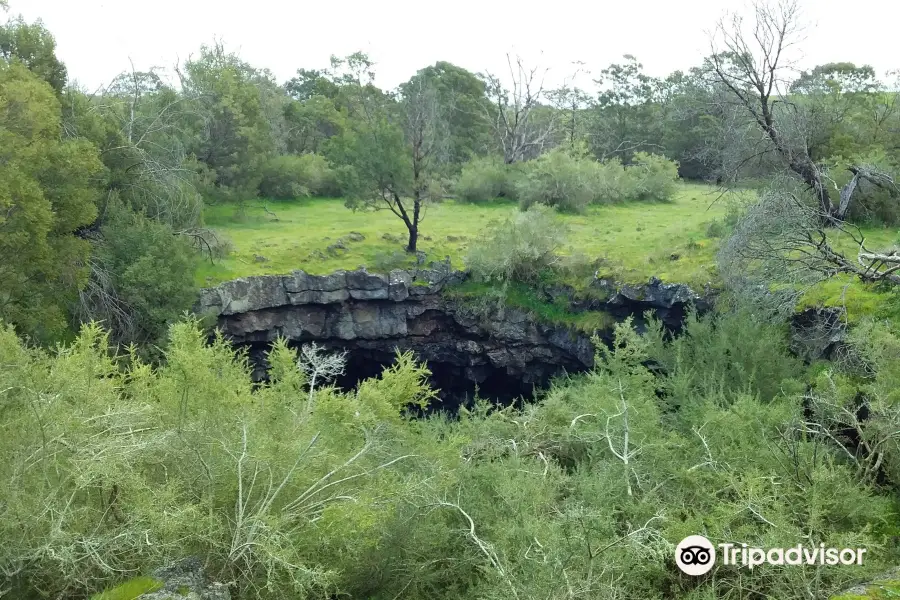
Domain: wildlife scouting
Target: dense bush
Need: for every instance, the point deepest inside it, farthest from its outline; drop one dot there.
(558, 179)
(291, 490)
(570, 180)
(652, 177)
(518, 248)
(291, 176)
(612, 183)
(484, 179)
(142, 276)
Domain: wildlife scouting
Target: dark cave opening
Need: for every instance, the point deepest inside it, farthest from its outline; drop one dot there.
(456, 384)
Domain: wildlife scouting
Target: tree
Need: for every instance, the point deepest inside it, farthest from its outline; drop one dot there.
(694, 124)
(512, 113)
(396, 147)
(571, 101)
(311, 82)
(626, 120)
(48, 189)
(34, 46)
(311, 123)
(463, 99)
(751, 61)
(781, 247)
(231, 132)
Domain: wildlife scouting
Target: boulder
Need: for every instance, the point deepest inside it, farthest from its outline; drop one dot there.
(186, 580)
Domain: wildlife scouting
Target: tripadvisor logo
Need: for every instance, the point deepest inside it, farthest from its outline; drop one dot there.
(696, 555)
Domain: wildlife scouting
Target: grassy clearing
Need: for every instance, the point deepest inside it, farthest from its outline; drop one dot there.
(633, 241)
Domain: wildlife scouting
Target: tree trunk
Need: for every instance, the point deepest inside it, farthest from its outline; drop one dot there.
(414, 226)
(804, 167)
(413, 239)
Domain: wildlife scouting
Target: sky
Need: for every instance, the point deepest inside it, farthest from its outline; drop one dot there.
(96, 38)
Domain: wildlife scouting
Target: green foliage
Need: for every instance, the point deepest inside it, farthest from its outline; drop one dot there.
(705, 362)
(288, 176)
(613, 183)
(519, 248)
(462, 96)
(312, 122)
(652, 177)
(47, 192)
(33, 46)
(339, 493)
(231, 128)
(144, 277)
(570, 180)
(484, 179)
(145, 465)
(859, 401)
(558, 179)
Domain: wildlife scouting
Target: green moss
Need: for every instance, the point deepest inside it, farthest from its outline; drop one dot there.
(131, 589)
(528, 299)
(860, 299)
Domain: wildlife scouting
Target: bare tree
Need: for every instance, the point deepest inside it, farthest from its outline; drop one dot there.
(782, 246)
(752, 61)
(151, 118)
(319, 367)
(511, 112)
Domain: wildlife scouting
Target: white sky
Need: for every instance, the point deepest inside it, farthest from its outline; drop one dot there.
(95, 38)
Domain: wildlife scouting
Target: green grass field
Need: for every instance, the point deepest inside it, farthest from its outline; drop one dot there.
(634, 240)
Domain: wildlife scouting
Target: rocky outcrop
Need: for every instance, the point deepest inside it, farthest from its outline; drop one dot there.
(818, 333)
(506, 353)
(668, 302)
(184, 580)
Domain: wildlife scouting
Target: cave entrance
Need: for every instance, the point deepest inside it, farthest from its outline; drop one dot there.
(457, 384)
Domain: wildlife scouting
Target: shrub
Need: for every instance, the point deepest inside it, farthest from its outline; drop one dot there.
(652, 177)
(291, 176)
(142, 276)
(519, 248)
(484, 179)
(558, 179)
(613, 183)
